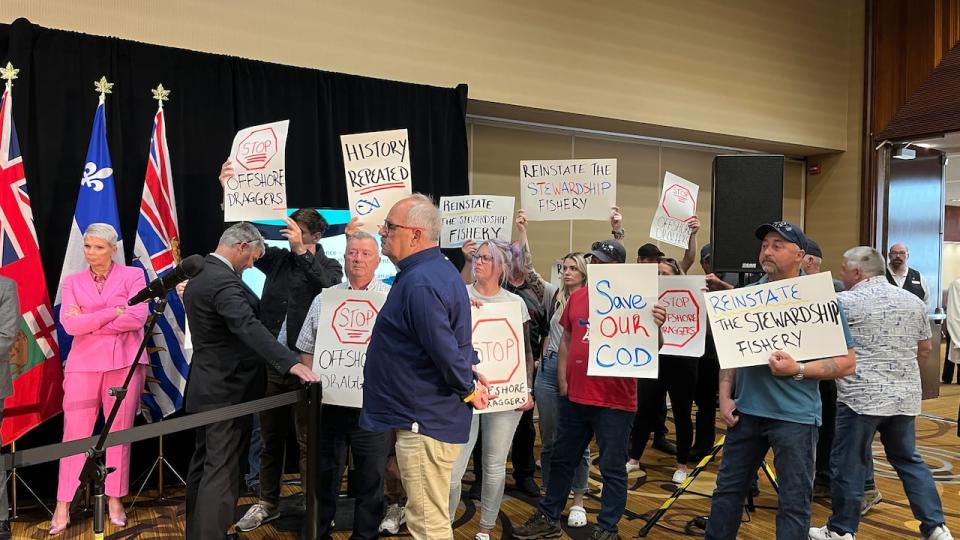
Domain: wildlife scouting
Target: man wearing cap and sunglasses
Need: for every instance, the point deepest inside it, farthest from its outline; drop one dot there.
(775, 406)
(603, 407)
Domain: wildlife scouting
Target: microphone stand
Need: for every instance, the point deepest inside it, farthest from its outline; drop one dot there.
(94, 472)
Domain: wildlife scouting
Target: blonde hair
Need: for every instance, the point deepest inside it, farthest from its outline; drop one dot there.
(564, 292)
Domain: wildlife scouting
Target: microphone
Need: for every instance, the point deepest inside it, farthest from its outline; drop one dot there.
(187, 268)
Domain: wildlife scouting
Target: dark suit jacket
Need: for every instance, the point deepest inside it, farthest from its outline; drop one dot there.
(231, 348)
(9, 328)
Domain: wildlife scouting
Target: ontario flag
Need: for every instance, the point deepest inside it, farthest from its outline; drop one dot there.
(35, 358)
(157, 251)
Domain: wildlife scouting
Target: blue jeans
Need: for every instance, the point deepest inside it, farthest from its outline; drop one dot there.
(577, 425)
(794, 447)
(545, 394)
(851, 452)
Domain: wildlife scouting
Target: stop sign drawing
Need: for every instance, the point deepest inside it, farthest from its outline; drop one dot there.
(679, 203)
(683, 317)
(353, 321)
(499, 348)
(257, 149)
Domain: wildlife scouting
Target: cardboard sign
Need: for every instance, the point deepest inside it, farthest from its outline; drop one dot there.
(498, 340)
(677, 207)
(556, 273)
(258, 190)
(568, 189)
(623, 335)
(800, 316)
(377, 169)
(685, 330)
(343, 333)
(475, 217)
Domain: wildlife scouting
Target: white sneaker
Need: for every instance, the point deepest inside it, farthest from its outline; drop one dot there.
(481, 536)
(256, 516)
(679, 476)
(940, 533)
(824, 533)
(395, 516)
(633, 467)
(577, 517)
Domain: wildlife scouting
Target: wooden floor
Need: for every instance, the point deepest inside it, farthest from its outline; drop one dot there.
(937, 439)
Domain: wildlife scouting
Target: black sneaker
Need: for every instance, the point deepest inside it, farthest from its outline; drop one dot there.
(602, 534)
(662, 444)
(538, 526)
(4, 530)
(529, 486)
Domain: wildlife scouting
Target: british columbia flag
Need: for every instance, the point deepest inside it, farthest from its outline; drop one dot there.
(157, 251)
(35, 358)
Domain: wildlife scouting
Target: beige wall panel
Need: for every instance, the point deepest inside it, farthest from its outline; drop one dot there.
(771, 70)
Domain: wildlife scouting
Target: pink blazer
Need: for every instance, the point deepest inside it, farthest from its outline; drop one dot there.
(103, 340)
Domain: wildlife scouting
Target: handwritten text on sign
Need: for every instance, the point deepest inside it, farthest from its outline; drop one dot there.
(498, 340)
(343, 333)
(568, 189)
(677, 206)
(475, 217)
(799, 315)
(685, 329)
(258, 190)
(377, 169)
(623, 334)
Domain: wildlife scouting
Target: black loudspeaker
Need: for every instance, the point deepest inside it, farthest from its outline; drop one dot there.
(747, 192)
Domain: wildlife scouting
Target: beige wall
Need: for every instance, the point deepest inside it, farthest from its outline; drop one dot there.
(765, 69)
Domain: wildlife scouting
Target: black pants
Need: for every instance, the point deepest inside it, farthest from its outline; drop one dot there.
(275, 427)
(705, 396)
(828, 402)
(949, 367)
(678, 376)
(213, 480)
(369, 452)
(521, 453)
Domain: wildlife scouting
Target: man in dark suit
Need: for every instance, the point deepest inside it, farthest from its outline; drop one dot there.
(9, 328)
(231, 351)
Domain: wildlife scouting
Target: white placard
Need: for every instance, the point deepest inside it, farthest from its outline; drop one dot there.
(556, 273)
(800, 316)
(677, 207)
(568, 189)
(475, 217)
(343, 333)
(377, 169)
(623, 334)
(498, 340)
(258, 189)
(685, 330)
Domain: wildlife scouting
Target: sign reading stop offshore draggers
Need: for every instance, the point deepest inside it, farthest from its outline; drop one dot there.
(685, 330)
(498, 340)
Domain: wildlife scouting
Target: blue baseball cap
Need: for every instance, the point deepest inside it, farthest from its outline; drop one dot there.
(790, 232)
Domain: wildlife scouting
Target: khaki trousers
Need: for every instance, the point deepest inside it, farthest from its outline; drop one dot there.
(426, 467)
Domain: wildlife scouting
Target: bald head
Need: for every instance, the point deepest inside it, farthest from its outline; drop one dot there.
(898, 255)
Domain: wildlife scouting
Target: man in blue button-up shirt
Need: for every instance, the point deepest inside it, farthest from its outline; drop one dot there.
(418, 377)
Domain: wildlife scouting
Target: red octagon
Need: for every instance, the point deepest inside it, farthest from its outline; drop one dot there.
(497, 372)
(673, 299)
(257, 149)
(683, 197)
(353, 321)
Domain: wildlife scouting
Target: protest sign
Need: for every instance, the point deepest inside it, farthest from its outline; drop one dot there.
(685, 330)
(800, 316)
(343, 333)
(623, 334)
(498, 340)
(377, 169)
(677, 207)
(258, 189)
(475, 217)
(568, 189)
(556, 273)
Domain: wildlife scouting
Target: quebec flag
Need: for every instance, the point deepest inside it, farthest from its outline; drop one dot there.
(97, 203)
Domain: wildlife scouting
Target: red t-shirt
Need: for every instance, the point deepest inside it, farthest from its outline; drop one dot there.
(612, 392)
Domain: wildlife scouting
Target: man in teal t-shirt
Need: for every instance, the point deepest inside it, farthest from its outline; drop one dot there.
(776, 406)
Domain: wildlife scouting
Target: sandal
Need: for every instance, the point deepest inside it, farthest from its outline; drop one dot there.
(577, 517)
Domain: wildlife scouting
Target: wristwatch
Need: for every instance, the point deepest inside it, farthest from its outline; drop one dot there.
(618, 235)
(799, 375)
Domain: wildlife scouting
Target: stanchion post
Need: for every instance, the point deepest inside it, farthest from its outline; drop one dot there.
(314, 396)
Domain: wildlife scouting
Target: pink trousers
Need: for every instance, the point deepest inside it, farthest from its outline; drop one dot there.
(84, 394)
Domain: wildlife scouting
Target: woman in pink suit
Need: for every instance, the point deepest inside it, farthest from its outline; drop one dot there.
(106, 335)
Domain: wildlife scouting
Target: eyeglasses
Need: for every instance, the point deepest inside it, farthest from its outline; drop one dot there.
(485, 259)
(898, 253)
(389, 228)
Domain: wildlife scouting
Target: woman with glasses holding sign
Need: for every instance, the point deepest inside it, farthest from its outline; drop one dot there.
(491, 265)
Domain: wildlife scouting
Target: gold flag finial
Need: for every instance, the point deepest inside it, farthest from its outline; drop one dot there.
(161, 94)
(104, 87)
(9, 73)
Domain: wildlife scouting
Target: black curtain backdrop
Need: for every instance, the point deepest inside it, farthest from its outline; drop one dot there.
(212, 97)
